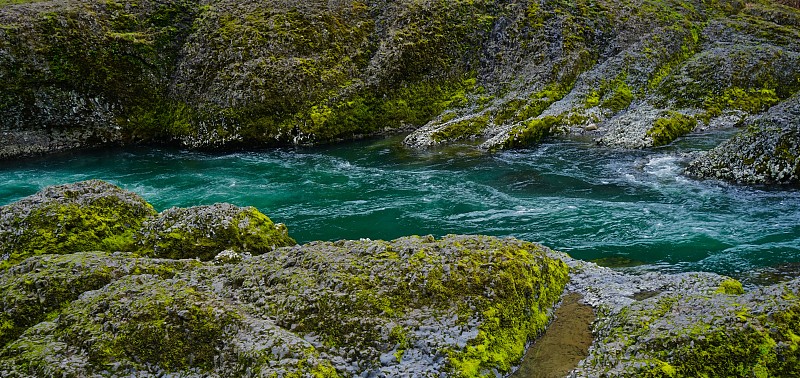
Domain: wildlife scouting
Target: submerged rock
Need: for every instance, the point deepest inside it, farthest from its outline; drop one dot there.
(85, 216)
(415, 306)
(767, 152)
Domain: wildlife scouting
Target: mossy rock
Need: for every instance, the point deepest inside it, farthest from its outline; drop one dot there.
(667, 129)
(85, 216)
(397, 302)
(40, 287)
(134, 322)
(729, 332)
(415, 306)
(766, 152)
(204, 231)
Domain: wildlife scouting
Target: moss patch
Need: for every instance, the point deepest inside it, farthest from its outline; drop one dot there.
(86, 216)
(531, 132)
(204, 231)
(665, 130)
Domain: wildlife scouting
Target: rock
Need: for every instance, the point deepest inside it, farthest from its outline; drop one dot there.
(347, 308)
(227, 257)
(253, 73)
(85, 216)
(98, 216)
(203, 231)
(767, 152)
(689, 324)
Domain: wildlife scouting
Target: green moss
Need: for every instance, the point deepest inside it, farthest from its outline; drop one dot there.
(749, 100)
(593, 99)
(666, 130)
(620, 98)
(87, 216)
(508, 325)
(531, 133)
(40, 288)
(465, 129)
(689, 47)
(399, 336)
(730, 286)
(204, 231)
(166, 323)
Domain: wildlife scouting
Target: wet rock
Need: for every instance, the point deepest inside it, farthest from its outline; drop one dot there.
(767, 152)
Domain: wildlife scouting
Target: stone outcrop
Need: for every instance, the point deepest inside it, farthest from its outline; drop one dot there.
(629, 73)
(463, 306)
(767, 152)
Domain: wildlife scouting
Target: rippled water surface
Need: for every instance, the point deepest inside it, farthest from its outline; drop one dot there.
(589, 202)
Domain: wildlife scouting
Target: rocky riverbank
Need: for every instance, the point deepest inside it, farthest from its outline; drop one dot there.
(103, 285)
(228, 74)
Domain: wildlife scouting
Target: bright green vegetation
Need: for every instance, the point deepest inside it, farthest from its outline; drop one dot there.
(88, 216)
(666, 130)
(749, 100)
(730, 286)
(40, 289)
(204, 231)
(464, 129)
(613, 95)
(531, 132)
(619, 99)
(526, 293)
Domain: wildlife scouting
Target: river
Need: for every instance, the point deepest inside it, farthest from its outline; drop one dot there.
(633, 207)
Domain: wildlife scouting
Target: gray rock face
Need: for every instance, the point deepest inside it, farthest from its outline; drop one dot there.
(414, 306)
(767, 152)
(255, 73)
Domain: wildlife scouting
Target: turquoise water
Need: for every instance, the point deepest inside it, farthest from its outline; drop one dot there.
(569, 195)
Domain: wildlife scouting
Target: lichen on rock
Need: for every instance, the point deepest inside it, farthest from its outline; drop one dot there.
(766, 152)
(204, 231)
(85, 216)
(461, 306)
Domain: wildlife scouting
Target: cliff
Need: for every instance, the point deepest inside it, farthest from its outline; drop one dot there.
(224, 74)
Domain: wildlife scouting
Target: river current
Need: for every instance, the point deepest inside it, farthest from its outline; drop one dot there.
(632, 207)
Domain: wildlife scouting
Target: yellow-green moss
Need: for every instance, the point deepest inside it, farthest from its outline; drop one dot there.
(465, 129)
(204, 231)
(86, 216)
(531, 132)
(730, 286)
(665, 130)
(528, 293)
